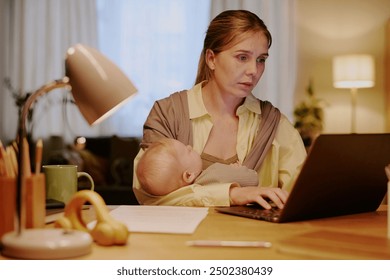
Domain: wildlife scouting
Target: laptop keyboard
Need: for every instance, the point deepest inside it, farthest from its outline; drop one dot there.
(271, 215)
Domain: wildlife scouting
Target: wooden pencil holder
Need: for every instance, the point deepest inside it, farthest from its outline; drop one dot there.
(7, 204)
(35, 203)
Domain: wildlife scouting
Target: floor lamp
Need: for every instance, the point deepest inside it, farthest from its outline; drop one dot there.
(98, 87)
(353, 71)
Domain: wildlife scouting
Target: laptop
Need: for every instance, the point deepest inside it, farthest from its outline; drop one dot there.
(342, 174)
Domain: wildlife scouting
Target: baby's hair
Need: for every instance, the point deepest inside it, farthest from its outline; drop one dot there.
(155, 167)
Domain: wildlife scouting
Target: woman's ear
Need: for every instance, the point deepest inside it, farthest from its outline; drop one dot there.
(189, 177)
(210, 57)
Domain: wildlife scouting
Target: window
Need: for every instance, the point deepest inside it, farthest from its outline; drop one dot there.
(157, 44)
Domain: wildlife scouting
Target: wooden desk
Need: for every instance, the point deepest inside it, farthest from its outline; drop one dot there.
(360, 236)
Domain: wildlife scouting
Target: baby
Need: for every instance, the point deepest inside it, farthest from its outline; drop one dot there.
(168, 165)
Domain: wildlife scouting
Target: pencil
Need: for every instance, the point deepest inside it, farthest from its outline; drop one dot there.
(13, 160)
(38, 156)
(3, 172)
(7, 162)
(15, 146)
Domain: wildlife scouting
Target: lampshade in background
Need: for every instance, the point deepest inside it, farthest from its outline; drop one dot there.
(353, 71)
(99, 87)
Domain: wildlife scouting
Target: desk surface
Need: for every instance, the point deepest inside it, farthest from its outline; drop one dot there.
(360, 236)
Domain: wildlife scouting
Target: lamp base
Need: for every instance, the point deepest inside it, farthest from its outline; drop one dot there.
(46, 244)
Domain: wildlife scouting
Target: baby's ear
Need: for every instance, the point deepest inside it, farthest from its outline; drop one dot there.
(188, 177)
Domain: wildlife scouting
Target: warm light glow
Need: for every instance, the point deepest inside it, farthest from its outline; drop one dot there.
(81, 140)
(353, 71)
(111, 111)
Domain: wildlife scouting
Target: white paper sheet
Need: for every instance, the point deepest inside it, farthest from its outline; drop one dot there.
(160, 219)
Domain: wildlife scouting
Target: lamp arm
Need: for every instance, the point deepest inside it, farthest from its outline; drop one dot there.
(20, 191)
(41, 91)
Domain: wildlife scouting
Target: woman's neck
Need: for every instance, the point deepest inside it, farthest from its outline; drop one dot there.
(218, 102)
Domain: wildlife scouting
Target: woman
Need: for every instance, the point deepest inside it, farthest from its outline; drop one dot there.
(224, 122)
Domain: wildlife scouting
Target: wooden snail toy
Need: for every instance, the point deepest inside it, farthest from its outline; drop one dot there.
(107, 230)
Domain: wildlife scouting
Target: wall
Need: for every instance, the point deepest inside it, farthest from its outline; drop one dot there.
(3, 34)
(334, 27)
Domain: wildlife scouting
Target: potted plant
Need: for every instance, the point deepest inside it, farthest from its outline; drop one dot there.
(309, 116)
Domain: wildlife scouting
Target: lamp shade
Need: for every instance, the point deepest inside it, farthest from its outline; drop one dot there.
(99, 87)
(353, 71)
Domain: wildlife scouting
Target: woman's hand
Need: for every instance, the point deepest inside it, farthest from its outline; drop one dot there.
(245, 195)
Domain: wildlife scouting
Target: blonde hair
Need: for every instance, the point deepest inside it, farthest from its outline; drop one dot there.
(225, 30)
(157, 170)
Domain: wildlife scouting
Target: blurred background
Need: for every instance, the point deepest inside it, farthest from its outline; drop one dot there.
(157, 44)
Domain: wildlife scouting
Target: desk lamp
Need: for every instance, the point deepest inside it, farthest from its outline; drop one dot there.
(353, 72)
(98, 87)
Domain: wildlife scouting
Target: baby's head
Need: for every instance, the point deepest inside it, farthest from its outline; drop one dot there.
(167, 165)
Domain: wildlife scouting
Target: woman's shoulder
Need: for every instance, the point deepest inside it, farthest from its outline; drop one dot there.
(285, 127)
(174, 96)
(182, 94)
(173, 102)
(286, 131)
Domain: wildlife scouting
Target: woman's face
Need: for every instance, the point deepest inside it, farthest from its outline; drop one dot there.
(238, 69)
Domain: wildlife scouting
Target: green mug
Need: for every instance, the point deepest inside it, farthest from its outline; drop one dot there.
(62, 181)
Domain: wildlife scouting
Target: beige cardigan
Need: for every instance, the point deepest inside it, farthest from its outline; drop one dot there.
(228, 173)
(169, 118)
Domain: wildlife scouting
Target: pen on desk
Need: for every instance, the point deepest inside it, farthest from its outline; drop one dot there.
(38, 156)
(228, 243)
